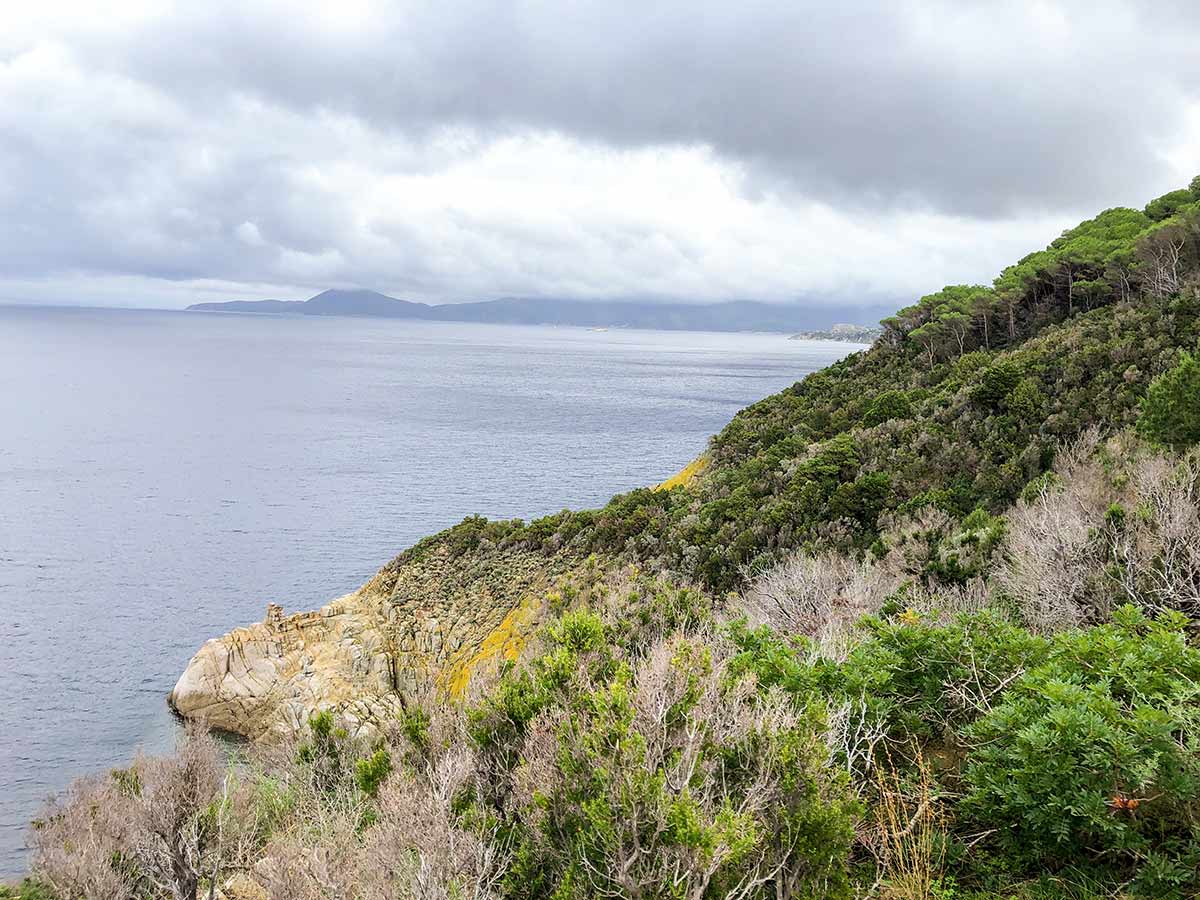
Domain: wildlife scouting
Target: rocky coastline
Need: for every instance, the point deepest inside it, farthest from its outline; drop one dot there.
(431, 620)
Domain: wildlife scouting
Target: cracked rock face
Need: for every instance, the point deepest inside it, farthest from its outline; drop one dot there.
(428, 619)
(273, 675)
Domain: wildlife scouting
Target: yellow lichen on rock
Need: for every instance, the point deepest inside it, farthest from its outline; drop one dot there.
(686, 475)
(503, 644)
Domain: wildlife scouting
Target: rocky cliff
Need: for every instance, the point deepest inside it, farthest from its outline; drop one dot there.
(434, 618)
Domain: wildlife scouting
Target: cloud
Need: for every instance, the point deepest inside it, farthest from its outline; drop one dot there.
(247, 232)
(687, 150)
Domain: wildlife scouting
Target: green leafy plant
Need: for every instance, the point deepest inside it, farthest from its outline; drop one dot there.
(1171, 409)
(1093, 754)
(370, 772)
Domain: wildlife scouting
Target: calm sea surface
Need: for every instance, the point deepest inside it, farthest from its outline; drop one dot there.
(164, 474)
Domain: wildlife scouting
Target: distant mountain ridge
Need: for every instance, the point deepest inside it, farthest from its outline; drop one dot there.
(735, 315)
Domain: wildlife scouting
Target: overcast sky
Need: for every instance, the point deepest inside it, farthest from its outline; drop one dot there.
(157, 154)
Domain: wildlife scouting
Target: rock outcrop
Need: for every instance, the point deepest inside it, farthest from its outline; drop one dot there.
(432, 618)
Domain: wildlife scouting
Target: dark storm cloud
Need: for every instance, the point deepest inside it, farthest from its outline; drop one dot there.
(449, 148)
(969, 107)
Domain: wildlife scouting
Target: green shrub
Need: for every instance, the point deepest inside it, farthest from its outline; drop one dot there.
(652, 607)
(1171, 408)
(1027, 402)
(886, 406)
(921, 679)
(128, 782)
(966, 552)
(996, 382)
(1094, 753)
(778, 661)
(370, 772)
(930, 681)
(324, 752)
(28, 889)
(655, 799)
(578, 646)
(414, 725)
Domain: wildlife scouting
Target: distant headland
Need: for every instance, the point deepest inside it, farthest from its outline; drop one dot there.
(737, 315)
(851, 334)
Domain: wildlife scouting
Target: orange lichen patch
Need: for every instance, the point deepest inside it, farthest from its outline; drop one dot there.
(504, 643)
(686, 475)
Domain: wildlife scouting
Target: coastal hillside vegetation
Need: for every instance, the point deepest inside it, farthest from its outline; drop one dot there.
(923, 625)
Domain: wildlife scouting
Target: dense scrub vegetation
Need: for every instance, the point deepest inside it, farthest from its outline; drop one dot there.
(654, 746)
(921, 626)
